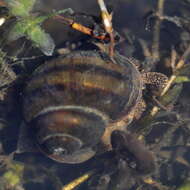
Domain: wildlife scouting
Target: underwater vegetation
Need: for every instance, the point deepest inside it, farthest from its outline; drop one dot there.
(123, 66)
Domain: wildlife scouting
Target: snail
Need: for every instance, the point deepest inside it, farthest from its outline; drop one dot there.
(70, 101)
(73, 103)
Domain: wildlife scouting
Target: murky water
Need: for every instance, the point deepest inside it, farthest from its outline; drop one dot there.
(169, 135)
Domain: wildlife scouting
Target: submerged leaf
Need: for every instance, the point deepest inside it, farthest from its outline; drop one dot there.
(30, 28)
(183, 74)
(12, 178)
(17, 31)
(20, 7)
(184, 71)
(14, 174)
(172, 95)
(181, 79)
(185, 186)
(23, 27)
(144, 124)
(78, 181)
(41, 40)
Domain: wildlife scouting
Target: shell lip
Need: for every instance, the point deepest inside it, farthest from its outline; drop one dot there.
(76, 158)
(59, 144)
(77, 154)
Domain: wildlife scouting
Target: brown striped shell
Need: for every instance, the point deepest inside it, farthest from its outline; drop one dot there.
(71, 100)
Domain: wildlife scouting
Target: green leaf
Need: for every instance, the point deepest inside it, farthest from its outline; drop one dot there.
(12, 178)
(20, 7)
(41, 40)
(184, 71)
(23, 25)
(2, 56)
(172, 95)
(185, 186)
(18, 30)
(30, 28)
(13, 175)
(181, 79)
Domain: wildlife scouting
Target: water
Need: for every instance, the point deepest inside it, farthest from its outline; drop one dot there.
(166, 134)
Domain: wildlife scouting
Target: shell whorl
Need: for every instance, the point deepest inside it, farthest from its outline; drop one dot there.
(77, 95)
(82, 78)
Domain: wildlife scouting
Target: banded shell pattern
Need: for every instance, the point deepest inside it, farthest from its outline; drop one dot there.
(69, 101)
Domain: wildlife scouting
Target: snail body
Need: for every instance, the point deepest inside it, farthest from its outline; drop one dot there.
(70, 102)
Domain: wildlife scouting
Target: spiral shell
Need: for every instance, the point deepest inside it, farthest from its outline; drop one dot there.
(69, 101)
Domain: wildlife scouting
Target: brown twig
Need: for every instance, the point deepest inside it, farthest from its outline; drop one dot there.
(76, 182)
(107, 21)
(146, 51)
(79, 27)
(173, 58)
(156, 33)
